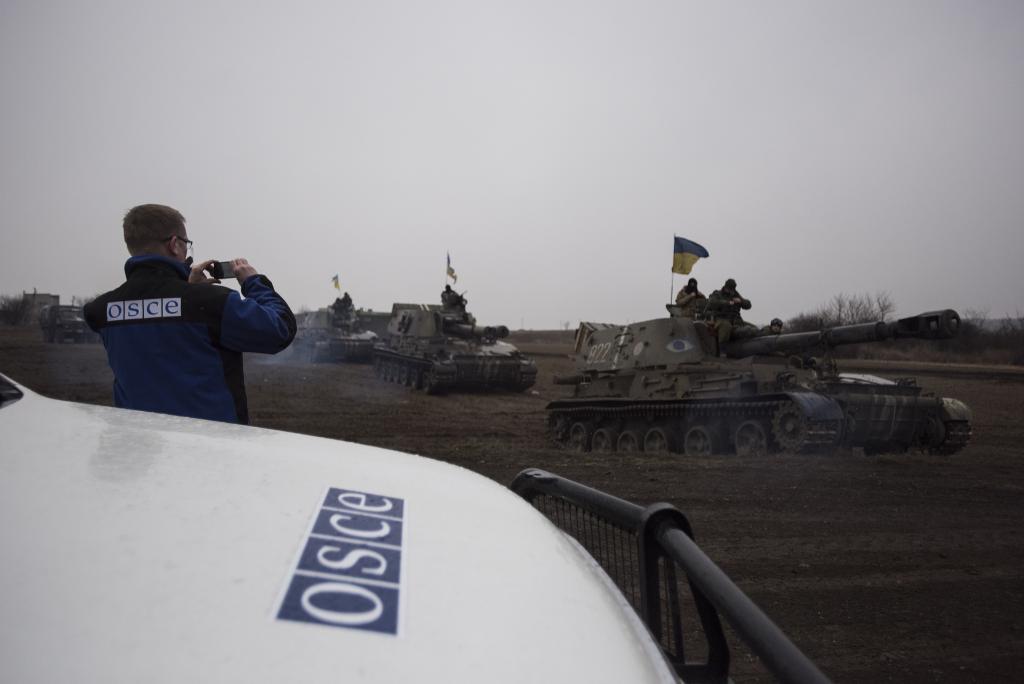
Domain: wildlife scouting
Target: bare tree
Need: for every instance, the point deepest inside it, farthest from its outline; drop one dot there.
(14, 310)
(884, 305)
(844, 309)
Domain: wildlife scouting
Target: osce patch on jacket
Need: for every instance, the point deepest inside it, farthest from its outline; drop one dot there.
(137, 309)
(349, 570)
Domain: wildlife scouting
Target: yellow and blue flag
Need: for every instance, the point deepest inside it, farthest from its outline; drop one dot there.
(685, 254)
(451, 271)
(335, 281)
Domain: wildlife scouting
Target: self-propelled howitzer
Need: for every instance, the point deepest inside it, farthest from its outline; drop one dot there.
(327, 335)
(437, 349)
(664, 384)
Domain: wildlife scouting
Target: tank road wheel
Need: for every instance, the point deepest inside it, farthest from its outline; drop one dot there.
(750, 439)
(431, 382)
(629, 441)
(698, 442)
(656, 440)
(790, 428)
(604, 439)
(558, 427)
(579, 437)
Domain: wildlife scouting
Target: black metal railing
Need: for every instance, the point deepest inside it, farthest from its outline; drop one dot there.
(8, 392)
(651, 556)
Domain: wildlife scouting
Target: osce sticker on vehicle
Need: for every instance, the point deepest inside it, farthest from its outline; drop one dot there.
(349, 571)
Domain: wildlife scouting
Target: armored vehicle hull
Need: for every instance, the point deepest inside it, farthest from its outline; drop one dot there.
(664, 385)
(322, 338)
(438, 350)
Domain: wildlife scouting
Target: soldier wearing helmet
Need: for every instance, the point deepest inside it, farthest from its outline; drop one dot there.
(773, 328)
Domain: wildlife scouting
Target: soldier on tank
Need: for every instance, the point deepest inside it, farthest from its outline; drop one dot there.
(446, 296)
(773, 328)
(452, 300)
(724, 308)
(342, 304)
(691, 300)
(342, 309)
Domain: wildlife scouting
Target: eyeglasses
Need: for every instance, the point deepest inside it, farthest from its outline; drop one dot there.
(188, 243)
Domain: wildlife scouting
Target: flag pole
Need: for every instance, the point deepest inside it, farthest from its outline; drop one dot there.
(672, 282)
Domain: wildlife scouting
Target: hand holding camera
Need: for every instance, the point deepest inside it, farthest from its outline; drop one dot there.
(213, 271)
(222, 269)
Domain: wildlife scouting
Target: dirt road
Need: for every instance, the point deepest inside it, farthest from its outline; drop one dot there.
(891, 568)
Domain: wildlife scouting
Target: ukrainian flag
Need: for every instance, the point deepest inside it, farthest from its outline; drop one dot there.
(685, 254)
(334, 280)
(451, 271)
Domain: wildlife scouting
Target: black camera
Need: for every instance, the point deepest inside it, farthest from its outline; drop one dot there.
(222, 269)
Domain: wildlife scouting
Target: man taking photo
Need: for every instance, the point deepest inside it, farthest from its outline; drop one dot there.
(174, 338)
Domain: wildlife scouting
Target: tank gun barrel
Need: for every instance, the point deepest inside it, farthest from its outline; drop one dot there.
(932, 325)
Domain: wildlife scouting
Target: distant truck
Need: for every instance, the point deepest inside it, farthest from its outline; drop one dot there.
(64, 323)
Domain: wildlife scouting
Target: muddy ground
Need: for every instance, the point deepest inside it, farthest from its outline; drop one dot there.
(884, 568)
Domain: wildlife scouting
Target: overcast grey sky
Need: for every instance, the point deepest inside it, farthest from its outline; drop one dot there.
(552, 147)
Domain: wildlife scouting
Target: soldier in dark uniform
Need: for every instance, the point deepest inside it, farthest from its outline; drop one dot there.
(342, 304)
(691, 300)
(342, 309)
(724, 307)
(446, 296)
(450, 299)
(773, 328)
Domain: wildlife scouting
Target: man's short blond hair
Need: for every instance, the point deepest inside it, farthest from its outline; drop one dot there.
(147, 225)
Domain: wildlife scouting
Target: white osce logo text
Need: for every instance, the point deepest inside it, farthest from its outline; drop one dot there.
(137, 309)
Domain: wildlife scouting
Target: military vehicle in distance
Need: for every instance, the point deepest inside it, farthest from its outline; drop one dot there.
(333, 334)
(64, 323)
(664, 385)
(437, 348)
(374, 321)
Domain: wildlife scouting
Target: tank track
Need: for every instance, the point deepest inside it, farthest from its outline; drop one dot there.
(439, 378)
(730, 414)
(352, 351)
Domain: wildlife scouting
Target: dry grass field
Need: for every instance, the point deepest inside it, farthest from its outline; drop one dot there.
(902, 568)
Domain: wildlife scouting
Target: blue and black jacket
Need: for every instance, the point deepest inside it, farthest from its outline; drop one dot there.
(176, 347)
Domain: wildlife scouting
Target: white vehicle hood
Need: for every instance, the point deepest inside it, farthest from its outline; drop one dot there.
(143, 547)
